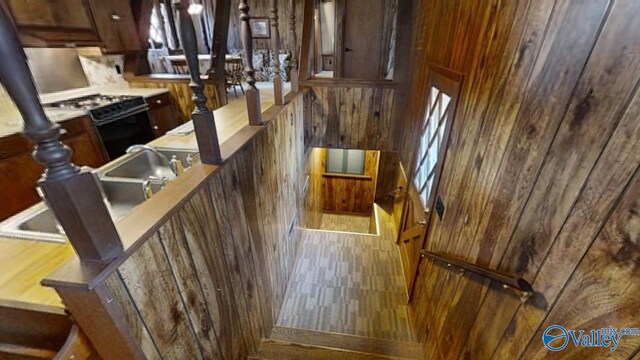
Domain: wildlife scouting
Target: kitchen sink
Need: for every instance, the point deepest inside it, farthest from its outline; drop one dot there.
(39, 223)
(126, 183)
(146, 164)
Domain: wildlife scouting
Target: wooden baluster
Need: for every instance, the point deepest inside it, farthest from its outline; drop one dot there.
(73, 194)
(307, 40)
(275, 47)
(219, 42)
(172, 24)
(252, 94)
(203, 119)
(294, 51)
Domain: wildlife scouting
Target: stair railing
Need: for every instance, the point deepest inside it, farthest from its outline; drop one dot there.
(521, 287)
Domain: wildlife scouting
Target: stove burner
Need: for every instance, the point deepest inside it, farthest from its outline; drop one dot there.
(104, 108)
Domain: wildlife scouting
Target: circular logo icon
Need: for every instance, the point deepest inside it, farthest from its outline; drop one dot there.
(555, 338)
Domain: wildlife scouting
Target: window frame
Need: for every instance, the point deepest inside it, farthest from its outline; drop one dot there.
(448, 82)
(345, 162)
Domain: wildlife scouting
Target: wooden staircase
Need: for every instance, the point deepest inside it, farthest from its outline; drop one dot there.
(289, 343)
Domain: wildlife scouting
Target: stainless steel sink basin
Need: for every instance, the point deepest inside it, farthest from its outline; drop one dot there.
(122, 196)
(39, 222)
(141, 165)
(126, 183)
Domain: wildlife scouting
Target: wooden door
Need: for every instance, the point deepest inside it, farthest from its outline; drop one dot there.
(429, 154)
(362, 26)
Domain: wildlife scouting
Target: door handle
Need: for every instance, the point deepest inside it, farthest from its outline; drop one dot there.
(347, 49)
(422, 223)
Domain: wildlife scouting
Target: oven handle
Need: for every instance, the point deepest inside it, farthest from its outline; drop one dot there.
(130, 112)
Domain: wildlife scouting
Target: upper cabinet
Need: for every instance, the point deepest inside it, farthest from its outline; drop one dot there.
(43, 23)
(115, 24)
(54, 23)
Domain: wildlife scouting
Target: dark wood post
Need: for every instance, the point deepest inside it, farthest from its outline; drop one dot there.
(102, 320)
(307, 39)
(220, 32)
(73, 194)
(203, 119)
(172, 24)
(275, 47)
(253, 94)
(294, 50)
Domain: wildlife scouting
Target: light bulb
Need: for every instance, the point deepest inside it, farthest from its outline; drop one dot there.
(195, 9)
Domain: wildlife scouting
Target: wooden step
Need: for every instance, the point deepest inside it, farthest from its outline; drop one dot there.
(289, 343)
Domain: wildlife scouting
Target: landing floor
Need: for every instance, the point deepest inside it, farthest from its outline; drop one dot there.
(350, 284)
(345, 222)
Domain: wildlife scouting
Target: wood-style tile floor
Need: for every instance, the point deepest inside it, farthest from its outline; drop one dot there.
(350, 284)
(345, 222)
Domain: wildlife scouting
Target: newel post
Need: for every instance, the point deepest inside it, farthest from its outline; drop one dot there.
(203, 119)
(252, 94)
(294, 51)
(275, 47)
(73, 194)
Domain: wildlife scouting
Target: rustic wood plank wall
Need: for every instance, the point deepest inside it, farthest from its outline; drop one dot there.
(351, 194)
(315, 166)
(537, 180)
(353, 117)
(262, 8)
(387, 174)
(210, 282)
(181, 94)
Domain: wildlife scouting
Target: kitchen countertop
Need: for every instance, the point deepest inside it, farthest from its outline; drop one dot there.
(10, 126)
(24, 263)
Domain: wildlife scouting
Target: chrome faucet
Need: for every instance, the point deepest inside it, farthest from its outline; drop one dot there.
(168, 163)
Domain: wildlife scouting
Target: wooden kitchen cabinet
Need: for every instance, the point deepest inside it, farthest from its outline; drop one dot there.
(44, 23)
(19, 171)
(115, 24)
(161, 114)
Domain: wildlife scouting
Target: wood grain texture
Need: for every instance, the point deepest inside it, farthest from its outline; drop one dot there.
(353, 117)
(403, 349)
(313, 197)
(181, 94)
(540, 151)
(210, 282)
(261, 8)
(351, 194)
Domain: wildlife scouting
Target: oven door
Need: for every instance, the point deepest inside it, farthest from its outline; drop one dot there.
(119, 133)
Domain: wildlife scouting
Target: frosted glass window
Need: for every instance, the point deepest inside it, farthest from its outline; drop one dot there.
(341, 161)
(431, 137)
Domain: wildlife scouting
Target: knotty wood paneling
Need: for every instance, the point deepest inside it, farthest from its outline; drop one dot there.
(315, 165)
(544, 140)
(181, 94)
(262, 8)
(351, 194)
(353, 117)
(387, 174)
(210, 282)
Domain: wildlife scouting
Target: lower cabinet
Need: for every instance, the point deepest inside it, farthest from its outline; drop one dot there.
(161, 114)
(19, 171)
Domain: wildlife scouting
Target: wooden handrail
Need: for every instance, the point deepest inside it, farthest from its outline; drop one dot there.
(73, 194)
(203, 119)
(519, 285)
